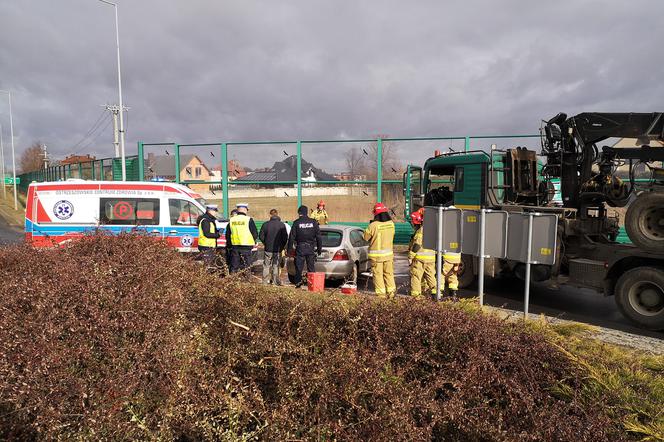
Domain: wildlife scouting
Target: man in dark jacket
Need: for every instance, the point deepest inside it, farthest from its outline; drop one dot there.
(274, 237)
(208, 233)
(305, 234)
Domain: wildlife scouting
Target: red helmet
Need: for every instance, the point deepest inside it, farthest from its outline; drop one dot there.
(379, 208)
(416, 217)
(321, 203)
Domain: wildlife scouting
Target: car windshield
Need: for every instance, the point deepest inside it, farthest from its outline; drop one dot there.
(331, 238)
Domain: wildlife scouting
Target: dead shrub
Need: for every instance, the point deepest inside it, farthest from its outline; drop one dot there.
(121, 338)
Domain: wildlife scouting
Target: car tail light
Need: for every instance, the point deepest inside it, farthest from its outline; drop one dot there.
(341, 255)
(291, 253)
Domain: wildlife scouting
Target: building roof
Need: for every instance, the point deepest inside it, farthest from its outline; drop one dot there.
(258, 176)
(164, 165)
(286, 170)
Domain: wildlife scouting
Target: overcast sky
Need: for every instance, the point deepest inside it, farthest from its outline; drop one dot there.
(203, 71)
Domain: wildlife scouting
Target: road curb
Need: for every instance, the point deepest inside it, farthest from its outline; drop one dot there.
(608, 335)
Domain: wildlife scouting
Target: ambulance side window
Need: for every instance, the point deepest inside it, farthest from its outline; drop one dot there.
(183, 212)
(129, 211)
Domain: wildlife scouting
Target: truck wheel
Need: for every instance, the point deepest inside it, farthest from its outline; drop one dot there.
(640, 296)
(644, 221)
(466, 276)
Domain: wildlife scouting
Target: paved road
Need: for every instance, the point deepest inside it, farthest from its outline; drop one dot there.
(9, 234)
(575, 304)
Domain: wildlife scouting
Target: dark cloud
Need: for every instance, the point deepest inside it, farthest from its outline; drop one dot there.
(201, 71)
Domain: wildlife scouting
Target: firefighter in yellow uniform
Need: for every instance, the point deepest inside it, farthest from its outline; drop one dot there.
(451, 264)
(320, 214)
(380, 235)
(422, 261)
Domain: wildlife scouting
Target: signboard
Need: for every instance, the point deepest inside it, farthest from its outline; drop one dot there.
(451, 238)
(10, 180)
(543, 249)
(495, 239)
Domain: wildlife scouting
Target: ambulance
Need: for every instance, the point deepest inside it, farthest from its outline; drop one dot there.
(59, 212)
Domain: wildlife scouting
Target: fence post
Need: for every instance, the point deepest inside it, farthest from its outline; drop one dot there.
(177, 163)
(141, 164)
(94, 175)
(466, 144)
(224, 178)
(299, 174)
(80, 171)
(379, 172)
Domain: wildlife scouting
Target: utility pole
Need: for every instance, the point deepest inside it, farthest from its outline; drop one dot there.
(45, 156)
(2, 160)
(121, 129)
(115, 111)
(11, 134)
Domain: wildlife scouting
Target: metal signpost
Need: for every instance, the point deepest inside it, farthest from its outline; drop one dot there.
(532, 240)
(442, 233)
(475, 241)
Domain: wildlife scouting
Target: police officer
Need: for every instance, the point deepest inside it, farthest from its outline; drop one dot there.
(422, 261)
(380, 235)
(208, 233)
(305, 235)
(241, 234)
(320, 214)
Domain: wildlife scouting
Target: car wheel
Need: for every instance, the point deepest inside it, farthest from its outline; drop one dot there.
(640, 296)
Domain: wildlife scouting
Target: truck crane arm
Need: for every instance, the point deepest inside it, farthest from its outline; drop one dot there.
(570, 145)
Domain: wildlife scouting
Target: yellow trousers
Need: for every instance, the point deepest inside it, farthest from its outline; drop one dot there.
(422, 271)
(383, 276)
(450, 275)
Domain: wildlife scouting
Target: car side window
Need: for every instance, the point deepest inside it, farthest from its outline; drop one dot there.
(183, 212)
(357, 238)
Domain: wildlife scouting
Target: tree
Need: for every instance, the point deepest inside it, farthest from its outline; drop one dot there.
(392, 167)
(354, 162)
(32, 158)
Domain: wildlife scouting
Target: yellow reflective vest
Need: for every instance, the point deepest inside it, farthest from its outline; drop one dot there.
(240, 232)
(320, 216)
(417, 252)
(203, 240)
(380, 235)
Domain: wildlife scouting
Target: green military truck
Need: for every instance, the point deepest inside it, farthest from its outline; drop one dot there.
(587, 254)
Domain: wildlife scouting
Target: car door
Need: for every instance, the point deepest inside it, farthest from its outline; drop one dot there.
(361, 248)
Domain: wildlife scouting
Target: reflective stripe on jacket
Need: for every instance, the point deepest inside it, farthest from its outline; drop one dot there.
(240, 233)
(451, 257)
(416, 251)
(380, 235)
(203, 240)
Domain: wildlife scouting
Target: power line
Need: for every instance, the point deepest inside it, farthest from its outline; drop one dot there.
(92, 140)
(94, 126)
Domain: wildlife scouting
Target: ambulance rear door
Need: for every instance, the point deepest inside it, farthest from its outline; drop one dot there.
(181, 223)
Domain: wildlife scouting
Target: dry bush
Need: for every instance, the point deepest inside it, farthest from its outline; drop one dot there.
(120, 338)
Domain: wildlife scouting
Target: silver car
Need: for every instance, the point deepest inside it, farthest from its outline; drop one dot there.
(345, 254)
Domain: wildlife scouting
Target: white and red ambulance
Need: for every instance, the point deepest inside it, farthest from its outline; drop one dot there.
(58, 212)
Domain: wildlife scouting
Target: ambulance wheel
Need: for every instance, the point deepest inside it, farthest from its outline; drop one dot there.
(466, 276)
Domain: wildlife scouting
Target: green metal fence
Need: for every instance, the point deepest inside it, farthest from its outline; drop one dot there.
(298, 183)
(108, 169)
